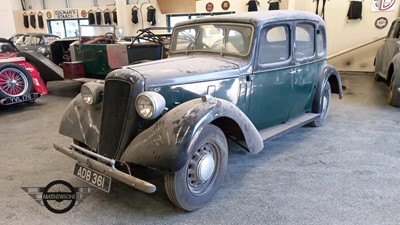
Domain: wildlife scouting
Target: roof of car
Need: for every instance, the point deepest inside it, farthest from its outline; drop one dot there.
(257, 18)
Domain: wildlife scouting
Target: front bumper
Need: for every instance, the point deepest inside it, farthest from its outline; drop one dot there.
(74, 152)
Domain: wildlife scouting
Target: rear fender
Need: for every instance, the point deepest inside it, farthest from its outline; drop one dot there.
(38, 84)
(331, 75)
(166, 144)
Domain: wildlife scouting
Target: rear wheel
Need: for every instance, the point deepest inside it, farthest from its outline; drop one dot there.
(394, 96)
(14, 81)
(195, 184)
(323, 108)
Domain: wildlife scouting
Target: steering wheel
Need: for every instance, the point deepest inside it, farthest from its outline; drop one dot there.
(216, 45)
(110, 37)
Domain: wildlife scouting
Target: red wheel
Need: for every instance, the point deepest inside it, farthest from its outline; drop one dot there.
(14, 81)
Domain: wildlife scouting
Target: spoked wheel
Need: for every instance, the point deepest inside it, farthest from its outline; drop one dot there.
(14, 81)
(195, 184)
(324, 104)
(394, 96)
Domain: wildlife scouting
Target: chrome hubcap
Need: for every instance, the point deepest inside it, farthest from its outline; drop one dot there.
(201, 168)
(205, 169)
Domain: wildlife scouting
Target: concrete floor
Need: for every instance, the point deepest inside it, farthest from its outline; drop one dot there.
(346, 172)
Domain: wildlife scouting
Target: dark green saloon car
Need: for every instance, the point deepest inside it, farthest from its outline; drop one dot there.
(249, 77)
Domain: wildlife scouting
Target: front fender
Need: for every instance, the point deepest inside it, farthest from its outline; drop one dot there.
(166, 144)
(82, 122)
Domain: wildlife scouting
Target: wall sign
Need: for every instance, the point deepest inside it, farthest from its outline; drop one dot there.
(209, 7)
(381, 22)
(66, 14)
(225, 5)
(383, 5)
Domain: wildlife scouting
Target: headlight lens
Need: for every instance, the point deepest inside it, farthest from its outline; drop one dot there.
(92, 92)
(150, 105)
(42, 50)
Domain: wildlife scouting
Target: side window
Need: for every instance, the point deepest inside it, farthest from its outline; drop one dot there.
(274, 45)
(321, 47)
(35, 40)
(304, 42)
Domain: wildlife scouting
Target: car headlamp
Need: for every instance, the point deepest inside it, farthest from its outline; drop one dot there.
(42, 50)
(92, 92)
(149, 105)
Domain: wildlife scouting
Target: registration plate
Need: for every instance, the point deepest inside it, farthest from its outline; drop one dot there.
(18, 99)
(92, 177)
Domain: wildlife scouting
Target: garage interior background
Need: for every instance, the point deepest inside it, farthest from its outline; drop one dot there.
(343, 35)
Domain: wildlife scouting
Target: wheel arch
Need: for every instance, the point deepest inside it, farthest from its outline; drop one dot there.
(331, 75)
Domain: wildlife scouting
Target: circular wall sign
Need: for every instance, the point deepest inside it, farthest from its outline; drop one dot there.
(83, 13)
(381, 22)
(209, 7)
(48, 14)
(225, 5)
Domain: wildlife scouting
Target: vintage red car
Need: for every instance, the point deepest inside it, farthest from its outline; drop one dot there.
(20, 81)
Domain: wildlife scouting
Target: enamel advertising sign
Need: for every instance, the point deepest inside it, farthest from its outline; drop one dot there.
(383, 5)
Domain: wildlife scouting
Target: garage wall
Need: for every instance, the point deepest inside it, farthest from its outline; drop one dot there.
(6, 17)
(342, 33)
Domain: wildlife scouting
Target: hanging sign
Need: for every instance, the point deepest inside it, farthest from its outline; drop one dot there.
(383, 5)
(66, 14)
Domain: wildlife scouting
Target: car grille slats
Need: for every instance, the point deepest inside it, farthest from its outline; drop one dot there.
(116, 103)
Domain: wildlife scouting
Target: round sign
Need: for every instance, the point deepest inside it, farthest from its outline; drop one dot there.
(225, 5)
(59, 196)
(209, 7)
(381, 22)
(48, 14)
(83, 13)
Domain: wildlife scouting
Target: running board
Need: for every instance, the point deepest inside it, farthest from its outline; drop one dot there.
(273, 132)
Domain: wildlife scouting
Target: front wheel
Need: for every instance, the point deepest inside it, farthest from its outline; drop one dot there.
(195, 184)
(323, 106)
(394, 97)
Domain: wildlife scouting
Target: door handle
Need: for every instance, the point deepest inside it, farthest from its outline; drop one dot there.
(299, 70)
(292, 72)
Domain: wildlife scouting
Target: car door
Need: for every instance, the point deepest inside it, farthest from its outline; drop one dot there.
(271, 88)
(308, 65)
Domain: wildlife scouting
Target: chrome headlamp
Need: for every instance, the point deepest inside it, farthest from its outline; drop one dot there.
(149, 105)
(43, 51)
(92, 92)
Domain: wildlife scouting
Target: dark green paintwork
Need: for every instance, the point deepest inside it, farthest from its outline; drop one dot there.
(94, 59)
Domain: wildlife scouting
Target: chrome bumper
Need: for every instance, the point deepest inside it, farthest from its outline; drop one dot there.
(105, 169)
